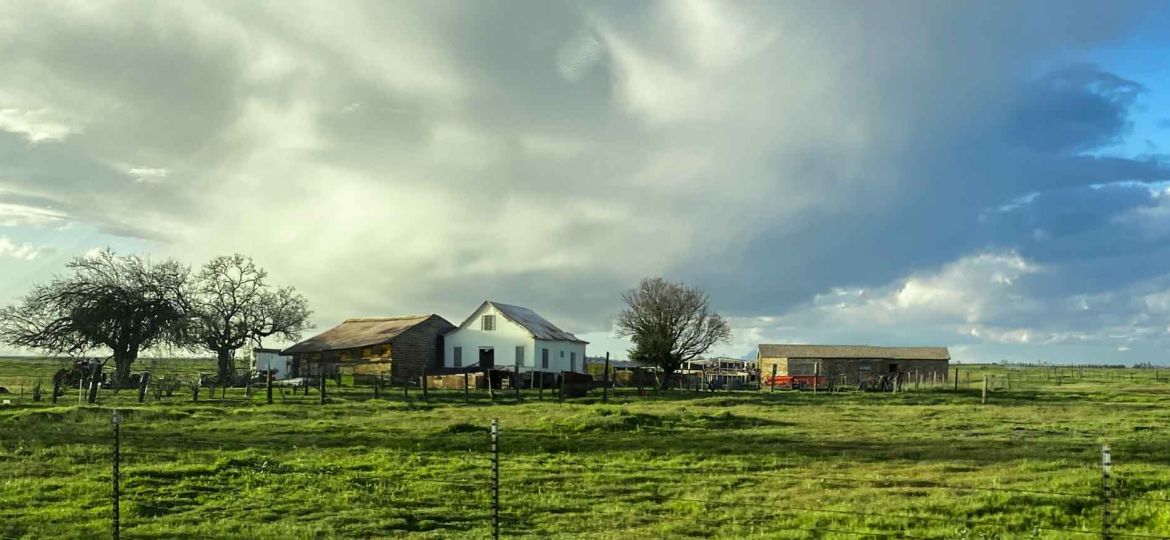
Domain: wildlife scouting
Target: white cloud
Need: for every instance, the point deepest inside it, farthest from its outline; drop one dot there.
(23, 251)
(20, 215)
(37, 125)
(147, 175)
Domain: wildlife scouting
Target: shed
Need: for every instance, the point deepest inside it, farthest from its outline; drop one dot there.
(852, 364)
(398, 347)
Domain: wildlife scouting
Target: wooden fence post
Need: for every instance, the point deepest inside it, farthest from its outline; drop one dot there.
(816, 376)
(561, 391)
(322, 387)
(772, 381)
(516, 383)
(268, 386)
(424, 383)
(984, 388)
(956, 378)
(605, 381)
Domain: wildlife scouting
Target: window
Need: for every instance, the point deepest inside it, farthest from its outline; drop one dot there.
(544, 358)
(519, 356)
(489, 322)
(562, 354)
(458, 356)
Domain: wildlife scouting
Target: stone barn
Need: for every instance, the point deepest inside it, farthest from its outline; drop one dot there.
(853, 364)
(395, 347)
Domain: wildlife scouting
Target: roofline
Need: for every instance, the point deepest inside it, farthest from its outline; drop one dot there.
(514, 321)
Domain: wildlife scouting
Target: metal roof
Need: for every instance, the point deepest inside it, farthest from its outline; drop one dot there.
(356, 333)
(853, 351)
(538, 326)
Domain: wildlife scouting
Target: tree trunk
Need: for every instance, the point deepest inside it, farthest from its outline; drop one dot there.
(667, 378)
(123, 360)
(224, 358)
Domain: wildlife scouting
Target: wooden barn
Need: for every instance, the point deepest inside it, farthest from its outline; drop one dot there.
(853, 364)
(394, 347)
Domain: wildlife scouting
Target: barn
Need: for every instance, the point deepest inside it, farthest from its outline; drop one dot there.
(852, 364)
(395, 347)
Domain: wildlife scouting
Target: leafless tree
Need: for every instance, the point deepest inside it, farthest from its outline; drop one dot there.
(122, 303)
(670, 324)
(233, 306)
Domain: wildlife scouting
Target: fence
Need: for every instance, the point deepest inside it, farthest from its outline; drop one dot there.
(505, 483)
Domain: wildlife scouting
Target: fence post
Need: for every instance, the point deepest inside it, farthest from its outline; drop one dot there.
(143, 381)
(496, 478)
(322, 385)
(466, 392)
(772, 381)
(117, 420)
(1106, 469)
(956, 378)
(561, 388)
(516, 383)
(268, 386)
(984, 388)
(638, 375)
(605, 381)
(539, 384)
(424, 383)
(816, 376)
(56, 388)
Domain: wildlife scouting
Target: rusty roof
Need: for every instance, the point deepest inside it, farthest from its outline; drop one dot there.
(853, 351)
(361, 332)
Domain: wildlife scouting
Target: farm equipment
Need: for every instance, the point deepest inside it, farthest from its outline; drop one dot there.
(80, 370)
(796, 382)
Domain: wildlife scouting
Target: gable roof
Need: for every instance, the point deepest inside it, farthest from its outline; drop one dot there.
(853, 351)
(538, 326)
(356, 333)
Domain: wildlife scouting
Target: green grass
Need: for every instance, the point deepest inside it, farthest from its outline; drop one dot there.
(929, 463)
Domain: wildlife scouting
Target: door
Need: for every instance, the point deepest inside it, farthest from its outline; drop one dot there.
(487, 358)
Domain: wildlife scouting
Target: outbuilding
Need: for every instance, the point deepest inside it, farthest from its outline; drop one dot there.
(395, 347)
(852, 364)
(503, 336)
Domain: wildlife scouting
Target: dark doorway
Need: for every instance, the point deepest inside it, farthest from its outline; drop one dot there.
(487, 358)
(893, 368)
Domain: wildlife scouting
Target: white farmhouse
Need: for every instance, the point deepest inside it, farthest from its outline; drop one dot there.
(501, 336)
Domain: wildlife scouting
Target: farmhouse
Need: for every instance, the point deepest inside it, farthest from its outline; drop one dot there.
(502, 336)
(397, 347)
(852, 364)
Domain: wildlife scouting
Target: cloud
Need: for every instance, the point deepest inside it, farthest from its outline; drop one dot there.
(23, 251)
(874, 170)
(37, 125)
(147, 175)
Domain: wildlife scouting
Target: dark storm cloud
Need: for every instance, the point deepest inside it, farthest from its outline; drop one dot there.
(414, 157)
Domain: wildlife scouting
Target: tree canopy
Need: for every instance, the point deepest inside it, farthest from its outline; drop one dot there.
(232, 306)
(123, 303)
(669, 324)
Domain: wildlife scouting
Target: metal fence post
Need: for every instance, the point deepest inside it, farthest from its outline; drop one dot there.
(117, 420)
(1106, 469)
(496, 478)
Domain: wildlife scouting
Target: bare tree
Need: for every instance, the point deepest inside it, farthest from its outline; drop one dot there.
(670, 324)
(233, 306)
(122, 303)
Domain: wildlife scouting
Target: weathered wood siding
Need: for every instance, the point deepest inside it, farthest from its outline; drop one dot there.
(420, 346)
(851, 371)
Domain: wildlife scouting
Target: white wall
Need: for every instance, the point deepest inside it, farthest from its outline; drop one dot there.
(504, 339)
(560, 355)
(264, 360)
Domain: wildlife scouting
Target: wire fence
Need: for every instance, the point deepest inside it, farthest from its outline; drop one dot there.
(496, 481)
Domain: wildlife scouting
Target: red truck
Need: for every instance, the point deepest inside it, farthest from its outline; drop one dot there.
(796, 382)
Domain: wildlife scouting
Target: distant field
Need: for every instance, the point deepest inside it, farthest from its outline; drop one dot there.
(928, 463)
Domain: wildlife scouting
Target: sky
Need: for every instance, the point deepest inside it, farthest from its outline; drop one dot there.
(989, 177)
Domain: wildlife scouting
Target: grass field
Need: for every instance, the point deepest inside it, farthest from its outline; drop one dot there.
(927, 463)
